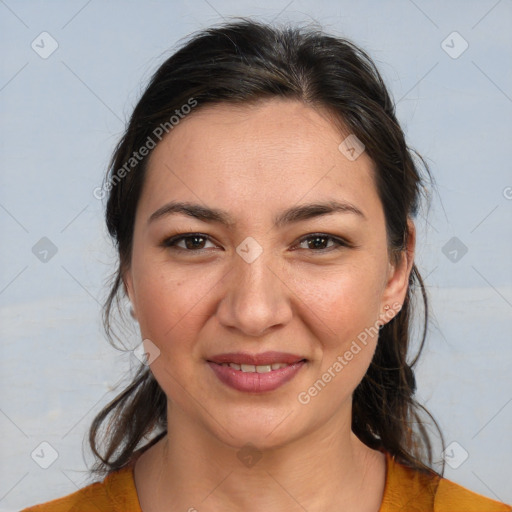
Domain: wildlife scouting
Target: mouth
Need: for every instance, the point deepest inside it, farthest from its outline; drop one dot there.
(263, 359)
(260, 368)
(256, 373)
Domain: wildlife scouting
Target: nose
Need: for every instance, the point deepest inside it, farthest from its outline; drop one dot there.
(255, 299)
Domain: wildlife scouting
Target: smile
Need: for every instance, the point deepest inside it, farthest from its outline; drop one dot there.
(251, 378)
(251, 368)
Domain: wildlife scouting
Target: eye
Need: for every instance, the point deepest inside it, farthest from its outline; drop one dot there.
(191, 242)
(319, 242)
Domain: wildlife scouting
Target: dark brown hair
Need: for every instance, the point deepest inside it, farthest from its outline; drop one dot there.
(244, 61)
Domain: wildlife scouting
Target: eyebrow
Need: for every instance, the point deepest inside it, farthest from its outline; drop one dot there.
(289, 216)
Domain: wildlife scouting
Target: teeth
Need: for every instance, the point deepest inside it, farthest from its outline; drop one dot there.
(263, 368)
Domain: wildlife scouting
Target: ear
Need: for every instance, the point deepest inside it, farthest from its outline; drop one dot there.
(398, 276)
(127, 280)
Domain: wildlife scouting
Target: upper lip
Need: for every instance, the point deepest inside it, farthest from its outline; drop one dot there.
(265, 358)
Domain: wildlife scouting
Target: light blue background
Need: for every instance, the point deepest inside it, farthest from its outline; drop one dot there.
(61, 118)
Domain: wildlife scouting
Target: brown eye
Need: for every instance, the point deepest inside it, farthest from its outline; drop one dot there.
(192, 242)
(320, 242)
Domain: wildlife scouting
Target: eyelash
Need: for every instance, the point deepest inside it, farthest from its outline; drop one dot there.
(170, 243)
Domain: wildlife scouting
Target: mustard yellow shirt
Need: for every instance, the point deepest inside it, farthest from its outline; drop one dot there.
(406, 490)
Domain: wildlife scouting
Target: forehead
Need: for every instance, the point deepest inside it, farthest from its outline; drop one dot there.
(256, 156)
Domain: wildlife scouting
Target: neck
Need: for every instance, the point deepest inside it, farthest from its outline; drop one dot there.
(190, 469)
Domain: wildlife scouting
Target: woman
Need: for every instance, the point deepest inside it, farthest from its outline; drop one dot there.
(261, 201)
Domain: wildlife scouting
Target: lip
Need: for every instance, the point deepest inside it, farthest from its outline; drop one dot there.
(256, 359)
(253, 382)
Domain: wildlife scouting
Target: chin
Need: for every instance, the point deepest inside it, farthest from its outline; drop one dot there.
(263, 431)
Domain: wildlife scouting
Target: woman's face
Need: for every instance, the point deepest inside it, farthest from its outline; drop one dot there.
(266, 272)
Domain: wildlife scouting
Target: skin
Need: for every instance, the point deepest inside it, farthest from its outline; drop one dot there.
(254, 161)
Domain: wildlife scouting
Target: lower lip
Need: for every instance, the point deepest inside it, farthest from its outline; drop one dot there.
(253, 382)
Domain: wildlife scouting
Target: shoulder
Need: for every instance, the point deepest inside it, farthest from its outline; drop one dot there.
(452, 496)
(413, 490)
(116, 493)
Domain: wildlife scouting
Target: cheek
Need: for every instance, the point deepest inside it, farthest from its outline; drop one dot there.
(341, 308)
(173, 305)
(340, 302)
(344, 354)
(171, 315)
